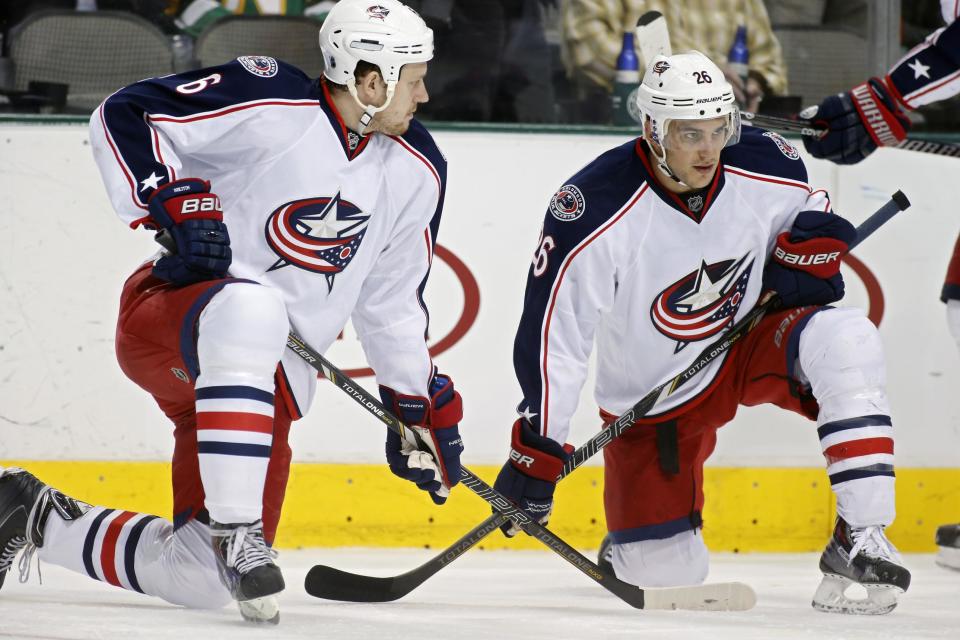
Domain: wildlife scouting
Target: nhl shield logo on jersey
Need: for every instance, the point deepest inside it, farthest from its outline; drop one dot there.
(702, 303)
(567, 204)
(785, 147)
(263, 66)
(321, 235)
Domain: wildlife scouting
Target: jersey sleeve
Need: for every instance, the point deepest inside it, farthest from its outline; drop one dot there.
(930, 72)
(571, 283)
(194, 124)
(390, 316)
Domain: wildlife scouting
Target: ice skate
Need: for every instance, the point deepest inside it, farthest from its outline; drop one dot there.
(247, 569)
(948, 546)
(25, 504)
(605, 555)
(863, 556)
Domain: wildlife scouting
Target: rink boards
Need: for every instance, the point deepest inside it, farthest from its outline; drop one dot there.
(63, 400)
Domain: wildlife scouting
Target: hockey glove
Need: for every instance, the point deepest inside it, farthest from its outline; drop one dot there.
(190, 224)
(433, 463)
(529, 477)
(805, 266)
(857, 122)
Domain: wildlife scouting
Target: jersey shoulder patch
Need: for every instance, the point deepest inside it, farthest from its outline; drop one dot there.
(765, 152)
(600, 188)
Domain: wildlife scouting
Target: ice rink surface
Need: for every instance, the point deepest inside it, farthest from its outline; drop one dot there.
(483, 595)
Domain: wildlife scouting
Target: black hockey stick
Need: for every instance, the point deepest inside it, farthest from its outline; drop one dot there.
(733, 596)
(335, 584)
(808, 128)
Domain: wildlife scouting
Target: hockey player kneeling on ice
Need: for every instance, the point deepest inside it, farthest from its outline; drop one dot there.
(280, 200)
(652, 251)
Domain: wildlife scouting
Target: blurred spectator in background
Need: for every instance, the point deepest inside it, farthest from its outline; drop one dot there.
(593, 33)
(493, 62)
(196, 15)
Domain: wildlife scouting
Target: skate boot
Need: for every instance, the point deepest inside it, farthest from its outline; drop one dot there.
(25, 505)
(948, 546)
(863, 556)
(247, 569)
(605, 555)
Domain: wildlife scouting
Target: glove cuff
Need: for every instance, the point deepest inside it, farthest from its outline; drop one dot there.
(881, 116)
(442, 410)
(534, 455)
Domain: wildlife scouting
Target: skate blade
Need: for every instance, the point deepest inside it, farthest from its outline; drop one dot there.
(948, 558)
(829, 597)
(264, 610)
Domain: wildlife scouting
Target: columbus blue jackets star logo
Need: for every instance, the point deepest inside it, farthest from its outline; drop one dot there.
(321, 235)
(703, 302)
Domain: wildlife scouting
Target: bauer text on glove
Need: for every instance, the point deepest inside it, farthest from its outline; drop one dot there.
(190, 221)
(805, 266)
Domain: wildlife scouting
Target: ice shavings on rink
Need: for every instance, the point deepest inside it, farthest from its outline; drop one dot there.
(484, 595)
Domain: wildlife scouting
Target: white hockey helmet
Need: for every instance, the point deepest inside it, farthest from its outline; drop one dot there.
(386, 33)
(685, 86)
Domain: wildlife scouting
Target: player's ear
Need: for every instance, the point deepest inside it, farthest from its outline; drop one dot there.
(369, 86)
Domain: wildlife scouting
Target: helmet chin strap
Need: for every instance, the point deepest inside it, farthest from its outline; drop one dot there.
(662, 163)
(368, 109)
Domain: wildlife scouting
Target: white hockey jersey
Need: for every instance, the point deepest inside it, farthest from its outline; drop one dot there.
(651, 276)
(344, 226)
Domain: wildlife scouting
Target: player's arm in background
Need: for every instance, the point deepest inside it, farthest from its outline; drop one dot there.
(390, 316)
(163, 129)
(392, 320)
(766, 55)
(872, 114)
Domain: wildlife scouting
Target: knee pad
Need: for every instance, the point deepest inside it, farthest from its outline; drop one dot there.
(841, 355)
(242, 332)
(680, 560)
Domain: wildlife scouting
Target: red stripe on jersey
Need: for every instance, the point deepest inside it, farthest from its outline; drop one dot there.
(227, 111)
(856, 448)
(108, 550)
(234, 421)
(785, 182)
(825, 195)
(945, 80)
(123, 166)
(545, 412)
(420, 156)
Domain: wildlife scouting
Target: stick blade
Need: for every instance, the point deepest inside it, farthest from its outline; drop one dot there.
(333, 584)
(653, 37)
(649, 17)
(720, 596)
